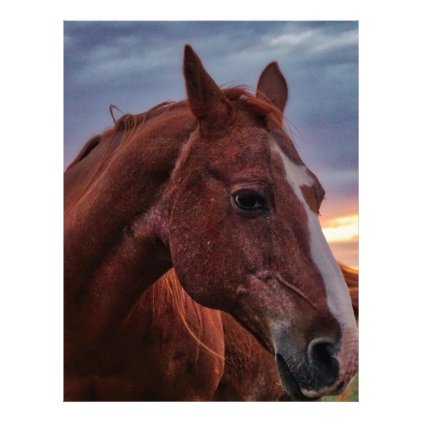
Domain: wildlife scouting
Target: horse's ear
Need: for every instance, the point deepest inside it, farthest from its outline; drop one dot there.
(272, 86)
(207, 102)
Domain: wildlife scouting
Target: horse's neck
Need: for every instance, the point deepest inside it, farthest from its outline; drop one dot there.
(113, 250)
(85, 169)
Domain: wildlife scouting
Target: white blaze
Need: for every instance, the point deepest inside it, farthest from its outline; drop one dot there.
(338, 297)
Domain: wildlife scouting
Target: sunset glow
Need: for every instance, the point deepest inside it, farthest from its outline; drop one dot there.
(342, 229)
(342, 233)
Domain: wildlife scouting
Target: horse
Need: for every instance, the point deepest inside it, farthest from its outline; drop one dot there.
(213, 187)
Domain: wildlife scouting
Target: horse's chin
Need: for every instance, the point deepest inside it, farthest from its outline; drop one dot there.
(289, 381)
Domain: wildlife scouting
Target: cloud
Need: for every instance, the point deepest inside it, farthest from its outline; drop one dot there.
(314, 41)
(108, 66)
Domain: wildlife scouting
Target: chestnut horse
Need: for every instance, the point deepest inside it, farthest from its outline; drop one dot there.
(214, 187)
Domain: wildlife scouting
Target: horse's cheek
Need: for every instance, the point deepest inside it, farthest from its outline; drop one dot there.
(199, 250)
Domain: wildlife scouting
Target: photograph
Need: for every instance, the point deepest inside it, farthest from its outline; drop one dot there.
(211, 185)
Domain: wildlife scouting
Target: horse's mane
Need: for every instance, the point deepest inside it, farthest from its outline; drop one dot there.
(239, 94)
(128, 123)
(166, 291)
(261, 108)
(86, 149)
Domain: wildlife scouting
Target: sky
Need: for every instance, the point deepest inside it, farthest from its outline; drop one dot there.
(136, 65)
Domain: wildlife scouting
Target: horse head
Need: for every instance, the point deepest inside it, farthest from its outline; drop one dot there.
(244, 235)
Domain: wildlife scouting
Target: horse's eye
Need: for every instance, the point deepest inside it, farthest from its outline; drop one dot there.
(249, 200)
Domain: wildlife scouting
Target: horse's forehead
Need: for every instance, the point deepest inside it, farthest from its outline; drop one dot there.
(260, 151)
(244, 147)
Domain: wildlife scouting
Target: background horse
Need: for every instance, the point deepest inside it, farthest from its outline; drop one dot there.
(213, 187)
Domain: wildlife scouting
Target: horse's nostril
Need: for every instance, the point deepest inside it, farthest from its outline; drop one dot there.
(321, 359)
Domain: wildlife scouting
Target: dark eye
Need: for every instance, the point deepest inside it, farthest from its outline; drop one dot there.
(249, 200)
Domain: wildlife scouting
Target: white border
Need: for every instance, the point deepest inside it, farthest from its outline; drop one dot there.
(31, 175)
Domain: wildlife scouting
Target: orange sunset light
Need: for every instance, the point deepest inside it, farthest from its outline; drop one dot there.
(342, 233)
(342, 229)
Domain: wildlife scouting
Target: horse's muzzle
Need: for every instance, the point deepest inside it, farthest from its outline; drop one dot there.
(326, 369)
